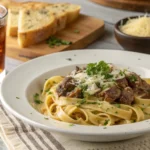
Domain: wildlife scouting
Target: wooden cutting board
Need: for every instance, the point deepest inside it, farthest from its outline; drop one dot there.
(89, 29)
(134, 5)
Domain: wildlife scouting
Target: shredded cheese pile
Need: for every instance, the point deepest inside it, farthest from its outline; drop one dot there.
(137, 27)
(92, 81)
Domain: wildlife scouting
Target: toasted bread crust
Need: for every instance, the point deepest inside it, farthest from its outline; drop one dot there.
(26, 39)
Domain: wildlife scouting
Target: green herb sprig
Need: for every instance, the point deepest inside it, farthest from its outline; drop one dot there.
(101, 68)
(117, 105)
(71, 124)
(80, 102)
(36, 95)
(36, 99)
(106, 122)
(54, 41)
(132, 78)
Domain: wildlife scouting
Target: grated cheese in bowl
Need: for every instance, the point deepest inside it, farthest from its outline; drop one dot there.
(137, 27)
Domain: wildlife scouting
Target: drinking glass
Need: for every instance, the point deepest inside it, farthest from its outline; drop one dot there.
(3, 22)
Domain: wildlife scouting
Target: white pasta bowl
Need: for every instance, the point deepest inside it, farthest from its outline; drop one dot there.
(20, 85)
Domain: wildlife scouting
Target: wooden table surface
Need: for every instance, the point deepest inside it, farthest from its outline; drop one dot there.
(109, 15)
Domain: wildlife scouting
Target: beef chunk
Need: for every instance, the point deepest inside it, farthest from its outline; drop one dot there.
(67, 85)
(134, 80)
(112, 94)
(122, 83)
(127, 96)
(77, 93)
(145, 86)
(137, 83)
(78, 70)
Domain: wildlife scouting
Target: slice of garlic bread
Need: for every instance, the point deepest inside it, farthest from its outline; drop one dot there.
(13, 15)
(35, 24)
(72, 10)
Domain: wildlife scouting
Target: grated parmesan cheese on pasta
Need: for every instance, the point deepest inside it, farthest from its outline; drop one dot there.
(82, 78)
(137, 27)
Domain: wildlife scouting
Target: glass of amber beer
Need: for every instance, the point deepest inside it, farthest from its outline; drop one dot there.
(3, 22)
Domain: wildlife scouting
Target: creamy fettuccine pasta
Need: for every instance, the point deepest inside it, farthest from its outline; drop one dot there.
(99, 94)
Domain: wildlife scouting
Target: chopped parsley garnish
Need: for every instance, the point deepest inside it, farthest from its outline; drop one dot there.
(142, 109)
(83, 87)
(76, 31)
(108, 76)
(101, 68)
(105, 128)
(117, 105)
(116, 112)
(36, 95)
(38, 101)
(91, 103)
(82, 101)
(46, 118)
(47, 90)
(121, 73)
(50, 92)
(41, 91)
(17, 97)
(54, 41)
(106, 122)
(103, 87)
(97, 84)
(85, 94)
(69, 59)
(124, 71)
(132, 78)
(71, 124)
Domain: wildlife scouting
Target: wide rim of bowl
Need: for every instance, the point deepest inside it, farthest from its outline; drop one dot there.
(118, 31)
(75, 129)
